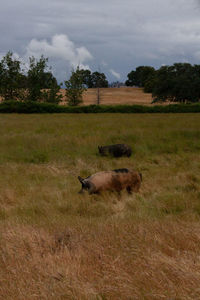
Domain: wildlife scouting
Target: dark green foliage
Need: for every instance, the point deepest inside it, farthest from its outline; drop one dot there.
(37, 85)
(99, 80)
(140, 76)
(177, 83)
(75, 88)
(12, 79)
(36, 78)
(52, 95)
(93, 80)
(86, 78)
(149, 84)
(41, 85)
(36, 107)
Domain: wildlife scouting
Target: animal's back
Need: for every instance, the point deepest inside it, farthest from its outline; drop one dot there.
(117, 179)
(120, 150)
(101, 179)
(116, 150)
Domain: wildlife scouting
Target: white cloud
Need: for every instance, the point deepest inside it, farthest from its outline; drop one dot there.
(115, 74)
(60, 47)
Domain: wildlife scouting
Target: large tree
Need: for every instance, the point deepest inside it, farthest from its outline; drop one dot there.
(140, 76)
(93, 80)
(99, 80)
(12, 79)
(177, 83)
(86, 78)
(41, 84)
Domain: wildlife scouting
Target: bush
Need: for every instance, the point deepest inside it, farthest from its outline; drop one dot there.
(30, 107)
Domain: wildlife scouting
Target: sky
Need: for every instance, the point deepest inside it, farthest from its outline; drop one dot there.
(111, 36)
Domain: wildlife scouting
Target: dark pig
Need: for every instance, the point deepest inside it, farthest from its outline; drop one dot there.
(116, 150)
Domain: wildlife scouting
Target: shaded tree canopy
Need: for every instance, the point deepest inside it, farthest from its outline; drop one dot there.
(12, 78)
(86, 78)
(99, 80)
(39, 77)
(75, 87)
(140, 76)
(177, 83)
(37, 84)
(94, 80)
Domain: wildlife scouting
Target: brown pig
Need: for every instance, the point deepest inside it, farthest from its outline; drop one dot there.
(115, 180)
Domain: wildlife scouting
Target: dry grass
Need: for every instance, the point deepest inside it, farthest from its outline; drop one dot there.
(56, 244)
(118, 260)
(123, 95)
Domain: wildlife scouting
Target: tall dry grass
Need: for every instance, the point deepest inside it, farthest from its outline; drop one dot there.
(114, 260)
(56, 244)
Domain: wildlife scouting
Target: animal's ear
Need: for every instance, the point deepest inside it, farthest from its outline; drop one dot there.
(80, 179)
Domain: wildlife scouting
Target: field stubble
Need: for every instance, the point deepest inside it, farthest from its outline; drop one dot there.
(108, 96)
(56, 244)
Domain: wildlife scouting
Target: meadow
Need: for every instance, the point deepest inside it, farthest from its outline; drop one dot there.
(58, 244)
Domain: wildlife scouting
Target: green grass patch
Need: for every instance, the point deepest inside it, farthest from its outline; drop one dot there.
(42, 155)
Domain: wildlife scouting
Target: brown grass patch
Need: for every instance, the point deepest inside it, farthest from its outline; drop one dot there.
(149, 260)
(123, 95)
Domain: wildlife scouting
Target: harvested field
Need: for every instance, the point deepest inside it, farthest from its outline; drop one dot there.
(123, 95)
(58, 244)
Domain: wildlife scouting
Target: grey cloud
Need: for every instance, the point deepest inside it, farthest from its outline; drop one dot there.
(124, 34)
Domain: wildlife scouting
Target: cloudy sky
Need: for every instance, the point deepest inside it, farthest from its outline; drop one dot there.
(114, 36)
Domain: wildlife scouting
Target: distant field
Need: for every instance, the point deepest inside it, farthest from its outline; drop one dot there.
(123, 95)
(58, 244)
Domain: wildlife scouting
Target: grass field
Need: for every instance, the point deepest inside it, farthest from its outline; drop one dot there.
(123, 95)
(57, 244)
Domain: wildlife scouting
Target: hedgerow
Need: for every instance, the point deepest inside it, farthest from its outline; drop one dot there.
(30, 107)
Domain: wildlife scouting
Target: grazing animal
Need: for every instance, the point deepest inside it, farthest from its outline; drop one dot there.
(115, 180)
(117, 150)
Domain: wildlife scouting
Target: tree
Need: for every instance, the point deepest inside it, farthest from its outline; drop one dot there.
(87, 78)
(93, 80)
(149, 84)
(75, 88)
(41, 84)
(12, 79)
(36, 78)
(177, 83)
(99, 80)
(140, 76)
(52, 95)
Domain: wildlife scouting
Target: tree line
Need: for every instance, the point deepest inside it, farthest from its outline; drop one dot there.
(177, 83)
(35, 81)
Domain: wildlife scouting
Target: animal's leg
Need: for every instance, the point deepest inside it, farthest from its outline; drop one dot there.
(137, 187)
(129, 190)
